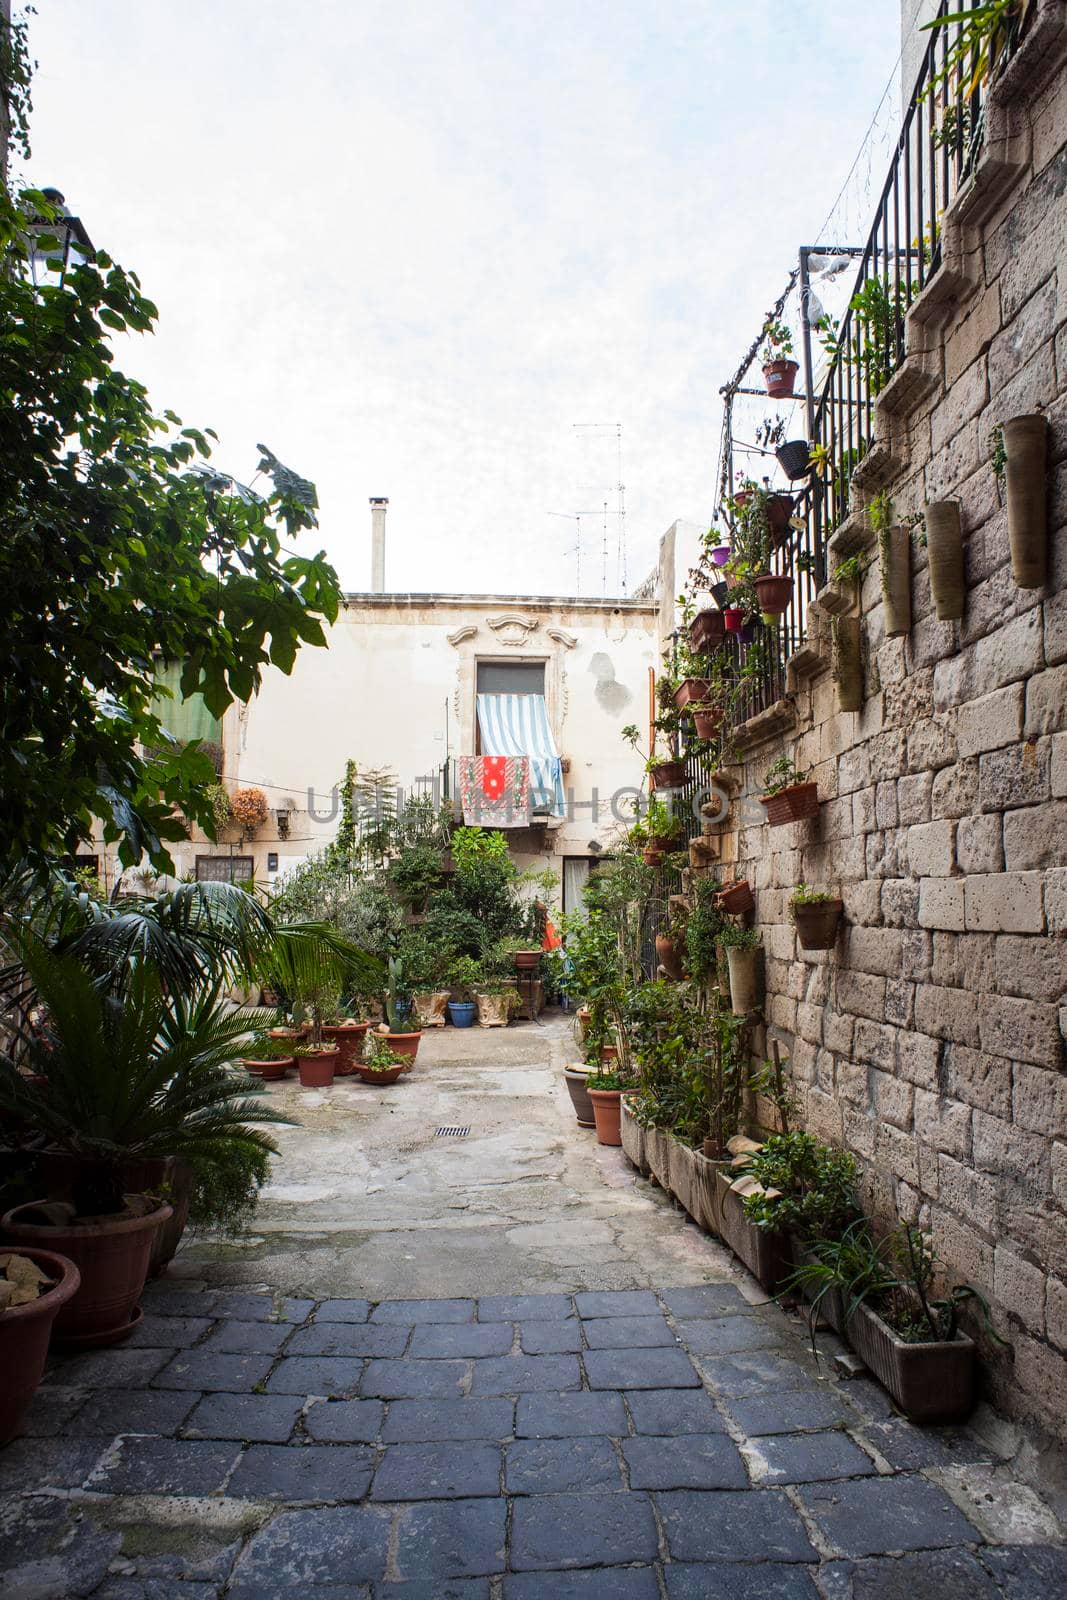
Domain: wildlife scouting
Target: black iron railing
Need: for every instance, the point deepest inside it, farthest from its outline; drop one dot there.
(940, 139)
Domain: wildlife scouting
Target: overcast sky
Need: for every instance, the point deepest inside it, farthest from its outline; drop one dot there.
(409, 244)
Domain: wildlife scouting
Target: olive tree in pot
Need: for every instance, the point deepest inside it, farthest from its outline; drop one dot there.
(118, 1080)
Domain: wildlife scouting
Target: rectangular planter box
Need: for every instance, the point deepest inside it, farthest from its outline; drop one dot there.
(657, 1154)
(929, 1382)
(831, 1307)
(681, 1170)
(766, 1255)
(633, 1140)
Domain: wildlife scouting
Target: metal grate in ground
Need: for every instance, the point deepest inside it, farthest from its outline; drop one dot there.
(452, 1133)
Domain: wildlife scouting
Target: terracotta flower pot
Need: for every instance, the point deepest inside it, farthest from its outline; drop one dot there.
(652, 858)
(270, 1071)
(944, 544)
(1025, 468)
(793, 804)
(609, 1052)
(584, 1018)
(736, 898)
(405, 1044)
(287, 1033)
(895, 560)
(431, 1006)
(349, 1038)
(526, 960)
(817, 923)
(24, 1335)
(668, 956)
(607, 1115)
(574, 1078)
(780, 377)
(707, 722)
(317, 1071)
(112, 1258)
(667, 774)
(743, 989)
(170, 1177)
(706, 629)
(385, 1076)
(691, 689)
(775, 592)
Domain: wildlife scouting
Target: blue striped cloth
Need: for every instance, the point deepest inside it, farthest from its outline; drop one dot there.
(517, 725)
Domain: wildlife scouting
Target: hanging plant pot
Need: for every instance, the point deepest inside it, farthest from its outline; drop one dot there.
(793, 804)
(652, 858)
(721, 555)
(944, 541)
(669, 957)
(743, 989)
(706, 630)
(817, 923)
(691, 689)
(780, 377)
(24, 1334)
(607, 1115)
(848, 662)
(667, 774)
(720, 593)
(1025, 466)
(779, 511)
(749, 629)
(736, 898)
(733, 617)
(707, 720)
(794, 458)
(574, 1078)
(775, 592)
(894, 557)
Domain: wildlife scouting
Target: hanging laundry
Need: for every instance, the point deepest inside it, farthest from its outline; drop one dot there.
(494, 791)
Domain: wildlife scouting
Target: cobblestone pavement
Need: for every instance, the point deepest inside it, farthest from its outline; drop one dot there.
(606, 1445)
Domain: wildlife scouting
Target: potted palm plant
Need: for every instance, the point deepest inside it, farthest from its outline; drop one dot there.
(119, 1081)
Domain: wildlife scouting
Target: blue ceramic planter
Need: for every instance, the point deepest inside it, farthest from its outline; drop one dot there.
(462, 1013)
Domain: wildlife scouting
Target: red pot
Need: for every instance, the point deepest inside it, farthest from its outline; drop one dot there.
(775, 592)
(667, 774)
(792, 804)
(269, 1071)
(780, 377)
(689, 690)
(405, 1044)
(607, 1114)
(390, 1075)
(348, 1037)
(526, 959)
(317, 1071)
(707, 722)
(653, 857)
(112, 1258)
(779, 511)
(24, 1335)
(733, 618)
(736, 898)
(609, 1052)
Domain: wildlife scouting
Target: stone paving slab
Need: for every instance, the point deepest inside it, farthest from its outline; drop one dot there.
(601, 1446)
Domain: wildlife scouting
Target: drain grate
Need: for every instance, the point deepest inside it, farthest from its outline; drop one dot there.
(452, 1133)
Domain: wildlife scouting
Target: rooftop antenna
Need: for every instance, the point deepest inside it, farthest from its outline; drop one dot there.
(575, 517)
(618, 488)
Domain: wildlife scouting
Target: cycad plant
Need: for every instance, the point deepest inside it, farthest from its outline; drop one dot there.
(139, 1075)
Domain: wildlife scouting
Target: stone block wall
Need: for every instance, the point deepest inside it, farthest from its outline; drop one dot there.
(930, 1041)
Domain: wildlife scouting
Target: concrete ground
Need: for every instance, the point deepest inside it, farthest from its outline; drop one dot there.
(490, 1367)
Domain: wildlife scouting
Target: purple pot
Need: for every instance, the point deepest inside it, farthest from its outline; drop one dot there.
(721, 555)
(748, 632)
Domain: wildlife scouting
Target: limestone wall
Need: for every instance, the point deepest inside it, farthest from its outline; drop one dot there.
(930, 1041)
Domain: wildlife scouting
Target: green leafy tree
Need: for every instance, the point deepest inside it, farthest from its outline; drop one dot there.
(121, 546)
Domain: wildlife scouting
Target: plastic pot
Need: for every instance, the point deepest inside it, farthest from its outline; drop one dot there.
(608, 1052)
(817, 923)
(317, 1071)
(895, 560)
(382, 1077)
(574, 1078)
(707, 722)
(794, 458)
(112, 1258)
(1025, 467)
(780, 378)
(775, 592)
(462, 1013)
(270, 1071)
(689, 690)
(405, 1044)
(742, 965)
(349, 1039)
(733, 618)
(526, 960)
(667, 775)
(800, 800)
(719, 592)
(668, 956)
(168, 1176)
(944, 542)
(721, 555)
(706, 629)
(779, 511)
(607, 1115)
(24, 1335)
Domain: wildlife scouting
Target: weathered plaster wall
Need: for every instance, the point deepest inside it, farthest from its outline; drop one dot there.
(931, 1040)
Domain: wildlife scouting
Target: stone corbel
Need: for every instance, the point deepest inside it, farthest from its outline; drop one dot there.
(466, 631)
(512, 629)
(561, 636)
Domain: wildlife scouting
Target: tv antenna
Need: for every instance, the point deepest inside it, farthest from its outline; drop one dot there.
(576, 518)
(618, 489)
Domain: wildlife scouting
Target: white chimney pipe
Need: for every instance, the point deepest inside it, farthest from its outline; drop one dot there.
(377, 543)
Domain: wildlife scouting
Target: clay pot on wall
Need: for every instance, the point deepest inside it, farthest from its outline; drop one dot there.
(707, 720)
(895, 561)
(743, 980)
(794, 458)
(1025, 467)
(793, 804)
(847, 662)
(669, 956)
(944, 540)
(736, 898)
(775, 591)
(706, 630)
(817, 923)
(667, 774)
(691, 689)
